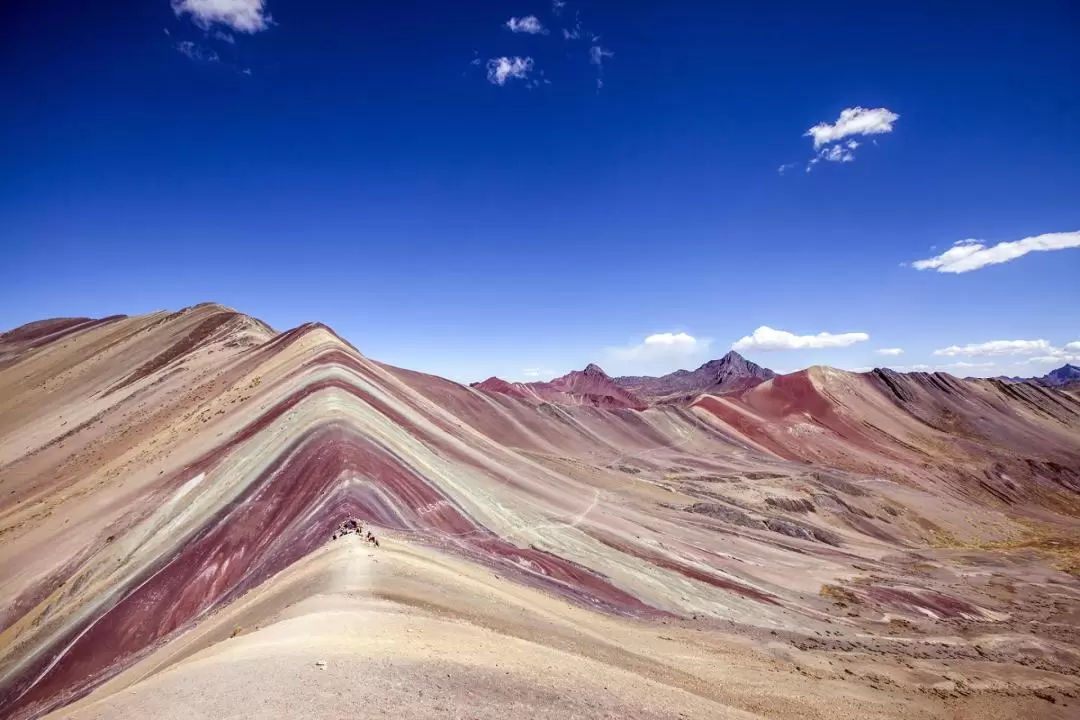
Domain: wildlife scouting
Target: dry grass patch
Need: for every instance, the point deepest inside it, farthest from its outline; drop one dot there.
(841, 596)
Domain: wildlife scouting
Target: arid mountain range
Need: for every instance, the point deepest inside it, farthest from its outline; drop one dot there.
(1066, 377)
(592, 386)
(717, 543)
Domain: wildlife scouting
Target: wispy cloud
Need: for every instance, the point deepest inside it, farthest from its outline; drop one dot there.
(766, 338)
(968, 255)
(890, 352)
(997, 347)
(1058, 358)
(246, 16)
(502, 69)
(835, 153)
(1041, 352)
(196, 52)
(557, 6)
(945, 367)
(534, 373)
(964, 365)
(785, 167)
(597, 53)
(529, 24)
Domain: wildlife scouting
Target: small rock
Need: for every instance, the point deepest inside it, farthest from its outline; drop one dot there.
(321, 664)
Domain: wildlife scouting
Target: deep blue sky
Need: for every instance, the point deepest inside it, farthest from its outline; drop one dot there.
(367, 175)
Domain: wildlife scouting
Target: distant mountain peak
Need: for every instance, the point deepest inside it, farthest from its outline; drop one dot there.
(1064, 374)
(730, 373)
(594, 369)
(730, 358)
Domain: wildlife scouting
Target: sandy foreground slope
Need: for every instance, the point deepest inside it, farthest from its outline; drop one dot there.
(824, 545)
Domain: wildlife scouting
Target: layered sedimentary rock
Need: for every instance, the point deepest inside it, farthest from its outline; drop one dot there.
(822, 543)
(1016, 442)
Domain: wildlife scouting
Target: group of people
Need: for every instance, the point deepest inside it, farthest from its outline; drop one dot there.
(353, 526)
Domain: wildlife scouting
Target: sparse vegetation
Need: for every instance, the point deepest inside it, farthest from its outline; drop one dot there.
(1060, 547)
(840, 596)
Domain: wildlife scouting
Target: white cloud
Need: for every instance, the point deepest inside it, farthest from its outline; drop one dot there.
(557, 6)
(969, 255)
(663, 346)
(841, 152)
(998, 347)
(785, 167)
(537, 373)
(529, 24)
(246, 16)
(853, 121)
(892, 352)
(196, 52)
(1052, 359)
(501, 69)
(836, 153)
(765, 338)
(597, 55)
(942, 367)
(1041, 352)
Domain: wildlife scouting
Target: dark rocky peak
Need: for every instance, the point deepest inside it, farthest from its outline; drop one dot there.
(594, 370)
(730, 373)
(733, 364)
(1055, 378)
